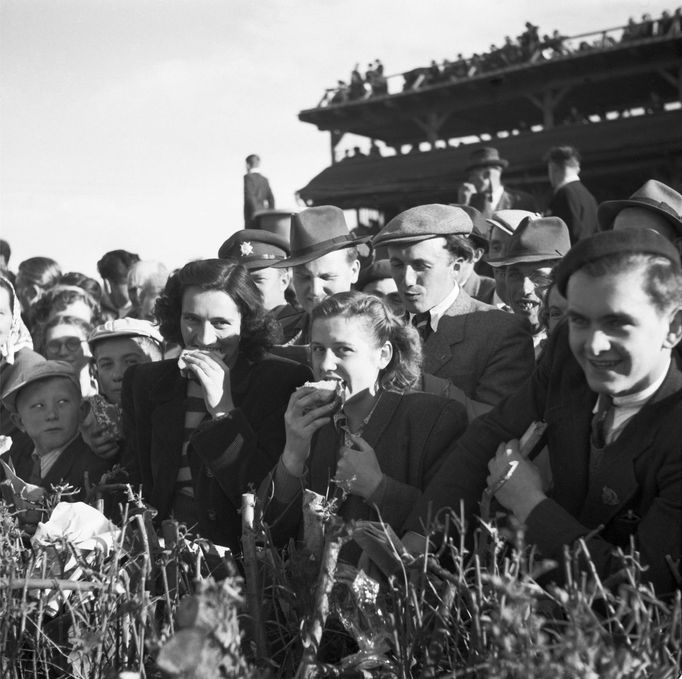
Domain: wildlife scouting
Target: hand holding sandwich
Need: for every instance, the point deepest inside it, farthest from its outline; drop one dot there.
(310, 408)
(213, 374)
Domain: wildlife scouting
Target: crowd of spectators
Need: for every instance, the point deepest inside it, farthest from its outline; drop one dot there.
(528, 47)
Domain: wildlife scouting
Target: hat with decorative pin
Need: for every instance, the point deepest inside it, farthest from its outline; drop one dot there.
(255, 249)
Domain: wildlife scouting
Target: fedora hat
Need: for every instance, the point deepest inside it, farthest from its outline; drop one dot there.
(536, 240)
(488, 156)
(654, 195)
(255, 249)
(316, 232)
(422, 223)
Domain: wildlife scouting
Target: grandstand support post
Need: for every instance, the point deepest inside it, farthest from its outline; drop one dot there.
(335, 136)
(548, 103)
(675, 79)
(430, 124)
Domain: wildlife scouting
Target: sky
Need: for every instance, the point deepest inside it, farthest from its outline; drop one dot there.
(125, 123)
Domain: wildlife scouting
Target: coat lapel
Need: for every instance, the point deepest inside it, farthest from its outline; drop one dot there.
(437, 349)
(616, 483)
(61, 469)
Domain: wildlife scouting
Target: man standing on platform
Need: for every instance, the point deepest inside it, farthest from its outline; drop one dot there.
(257, 192)
(571, 200)
(485, 173)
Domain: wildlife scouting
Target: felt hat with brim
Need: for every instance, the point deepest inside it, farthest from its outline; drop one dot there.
(508, 221)
(536, 240)
(316, 232)
(255, 249)
(273, 220)
(607, 243)
(35, 371)
(487, 156)
(124, 327)
(422, 223)
(655, 196)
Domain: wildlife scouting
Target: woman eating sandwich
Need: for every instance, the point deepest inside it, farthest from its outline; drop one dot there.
(200, 430)
(360, 436)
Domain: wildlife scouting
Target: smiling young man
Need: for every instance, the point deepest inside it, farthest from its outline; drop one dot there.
(473, 352)
(610, 393)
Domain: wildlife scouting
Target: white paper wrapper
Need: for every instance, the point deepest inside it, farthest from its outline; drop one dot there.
(81, 525)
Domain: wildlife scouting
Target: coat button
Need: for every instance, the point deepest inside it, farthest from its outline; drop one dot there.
(211, 515)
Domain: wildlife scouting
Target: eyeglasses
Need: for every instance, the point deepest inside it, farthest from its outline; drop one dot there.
(54, 346)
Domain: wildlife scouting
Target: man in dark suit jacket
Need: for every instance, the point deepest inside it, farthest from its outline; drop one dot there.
(472, 352)
(485, 173)
(571, 200)
(257, 192)
(612, 399)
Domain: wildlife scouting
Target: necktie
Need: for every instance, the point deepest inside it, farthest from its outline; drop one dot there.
(600, 424)
(36, 476)
(422, 322)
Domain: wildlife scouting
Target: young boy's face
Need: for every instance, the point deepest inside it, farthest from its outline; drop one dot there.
(112, 358)
(620, 339)
(49, 411)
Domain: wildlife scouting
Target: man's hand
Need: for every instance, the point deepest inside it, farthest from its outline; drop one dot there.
(358, 468)
(515, 482)
(214, 377)
(99, 439)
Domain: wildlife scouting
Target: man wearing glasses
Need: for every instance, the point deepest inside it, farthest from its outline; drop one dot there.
(535, 248)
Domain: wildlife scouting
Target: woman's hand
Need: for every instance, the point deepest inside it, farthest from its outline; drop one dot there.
(358, 469)
(305, 414)
(214, 377)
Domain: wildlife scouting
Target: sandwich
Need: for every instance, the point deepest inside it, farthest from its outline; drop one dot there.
(327, 391)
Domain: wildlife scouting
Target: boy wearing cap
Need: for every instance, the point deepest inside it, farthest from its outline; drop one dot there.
(45, 402)
(612, 399)
(473, 353)
(258, 251)
(534, 249)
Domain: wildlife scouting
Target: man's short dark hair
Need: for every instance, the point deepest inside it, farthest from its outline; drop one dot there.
(662, 277)
(460, 246)
(5, 250)
(114, 265)
(564, 156)
(253, 160)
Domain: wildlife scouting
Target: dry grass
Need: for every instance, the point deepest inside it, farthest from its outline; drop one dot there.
(484, 615)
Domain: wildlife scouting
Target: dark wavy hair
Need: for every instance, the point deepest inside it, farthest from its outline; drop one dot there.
(404, 368)
(258, 330)
(56, 302)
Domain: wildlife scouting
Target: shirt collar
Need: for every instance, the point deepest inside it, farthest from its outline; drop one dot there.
(438, 311)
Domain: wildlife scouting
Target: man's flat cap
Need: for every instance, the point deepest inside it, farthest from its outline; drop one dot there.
(35, 372)
(125, 327)
(424, 222)
(606, 243)
(255, 248)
